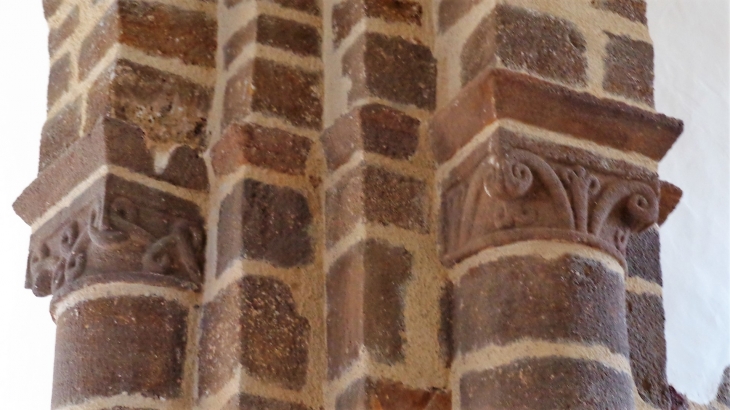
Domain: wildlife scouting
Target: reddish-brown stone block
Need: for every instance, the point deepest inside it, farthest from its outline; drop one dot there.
(298, 38)
(645, 315)
(117, 226)
(260, 146)
(249, 402)
(57, 36)
(723, 392)
(347, 14)
(452, 10)
(376, 195)
(670, 197)
(50, 7)
(373, 128)
(123, 345)
(634, 10)
(391, 68)
(276, 90)
(59, 133)
(370, 394)
(59, 79)
(525, 40)
(446, 330)
(99, 41)
(168, 31)
(169, 108)
(642, 256)
(307, 6)
(365, 303)
(502, 94)
(549, 383)
(629, 66)
(570, 299)
(264, 222)
(253, 323)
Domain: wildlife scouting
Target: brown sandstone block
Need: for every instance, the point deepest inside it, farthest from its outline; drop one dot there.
(59, 133)
(634, 10)
(306, 6)
(373, 128)
(643, 256)
(59, 78)
(629, 66)
(549, 383)
(298, 38)
(645, 316)
(254, 323)
(391, 68)
(168, 31)
(450, 11)
(499, 94)
(106, 347)
(376, 195)
(277, 90)
(365, 304)
(370, 394)
(57, 36)
(260, 146)
(249, 402)
(104, 35)
(265, 222)
(670, 197)
(346, 15)
(169, 108)
(526, 40)
(446, 328)
(570, 299)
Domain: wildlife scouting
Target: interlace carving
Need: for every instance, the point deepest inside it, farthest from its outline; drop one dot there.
(116, 240)
(524, 190)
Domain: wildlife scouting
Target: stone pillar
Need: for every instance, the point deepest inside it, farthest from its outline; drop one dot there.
(547, 144)
(262, 329)
(117, 208)
(383, 282)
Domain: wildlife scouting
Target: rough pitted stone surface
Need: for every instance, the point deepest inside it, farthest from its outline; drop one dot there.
(630, 69)
(133, 345)
(634, 10)
(723, 392)
(59, 133)
(307, 6)
(570, 299)
(549, 383)
(58, 36)
(59, 78)
(264, 222)
(349, 13)
(645, 315)
(249, 402)
(365, 304)
(525, 40)
(253, 323)
(643, 258)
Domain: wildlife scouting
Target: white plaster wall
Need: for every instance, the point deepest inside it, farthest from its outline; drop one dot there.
(692, 49)
(692, 71)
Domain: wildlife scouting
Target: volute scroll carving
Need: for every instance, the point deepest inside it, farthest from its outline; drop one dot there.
(114, 232)
(516, 188)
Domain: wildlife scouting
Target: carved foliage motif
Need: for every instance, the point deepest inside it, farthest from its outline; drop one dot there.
(520, 189)
(115, 234)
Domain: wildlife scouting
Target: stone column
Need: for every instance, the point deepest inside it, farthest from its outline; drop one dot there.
(262, 328)
(383, 280)
(117, 208)
(547, 144)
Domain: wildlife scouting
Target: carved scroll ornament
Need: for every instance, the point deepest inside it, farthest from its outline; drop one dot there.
(522, 189)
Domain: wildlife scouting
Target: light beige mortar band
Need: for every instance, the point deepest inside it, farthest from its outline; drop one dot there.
(231, 19)
(492, 357)
(547, 250)
(242, 382)
(225, 185)
(128, 400)
(363, 158)
(122, 289)
(410, 32)
(643, 287)
(197, 197)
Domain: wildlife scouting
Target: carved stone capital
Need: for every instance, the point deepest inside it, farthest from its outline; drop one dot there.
(516, 188)
(116, 227)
